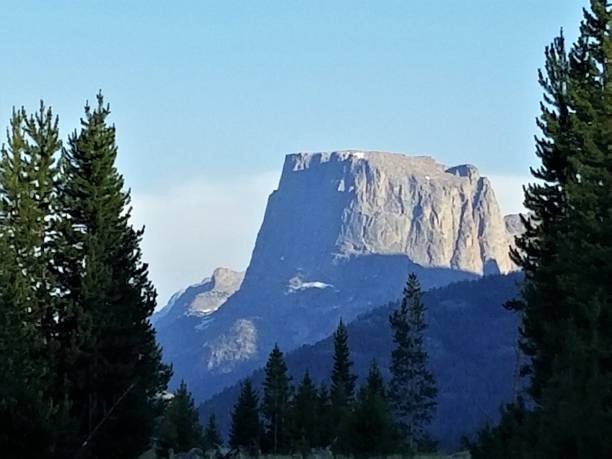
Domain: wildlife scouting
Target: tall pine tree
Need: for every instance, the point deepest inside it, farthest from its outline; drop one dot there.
(111, 364)
(342, 391)
(325, 431)
(276, 400)
(212, 437)
(180, 429)
(565, 253)
(27, 173)
(372, 429)
(412, 388)
(245, 431)
(306, 416)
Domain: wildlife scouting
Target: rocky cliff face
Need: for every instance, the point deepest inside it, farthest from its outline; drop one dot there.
(339, 236)
(202, 299)
(354, 203)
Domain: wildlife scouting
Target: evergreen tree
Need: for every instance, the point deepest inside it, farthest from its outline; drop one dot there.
(41, 171)
(343, 381)
(325, 430)
(245, 430)
(110, 363)
(212, 437)
(180, 428)
(24, 413)
(276, 399)
(372, 429)
(412, 388)
(306, 416)
(342, 389)
(565, 254)
(26, 195)
(546, 224)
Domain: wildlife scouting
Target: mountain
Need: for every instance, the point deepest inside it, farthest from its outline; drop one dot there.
(339, 237)
(200, 299)
(190, 309)
(471, 340)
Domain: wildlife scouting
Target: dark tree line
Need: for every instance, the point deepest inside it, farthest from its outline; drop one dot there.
(81, 371)
(566, 253)
(371, 420)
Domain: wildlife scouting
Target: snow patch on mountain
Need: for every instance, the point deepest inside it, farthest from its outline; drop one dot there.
(297, 284)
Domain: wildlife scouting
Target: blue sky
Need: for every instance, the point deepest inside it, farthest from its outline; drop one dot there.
(209, 96)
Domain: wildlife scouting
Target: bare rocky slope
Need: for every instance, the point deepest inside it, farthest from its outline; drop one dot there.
(339, 236)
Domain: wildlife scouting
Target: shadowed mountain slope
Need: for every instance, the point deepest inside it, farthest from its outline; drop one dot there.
(471, 340)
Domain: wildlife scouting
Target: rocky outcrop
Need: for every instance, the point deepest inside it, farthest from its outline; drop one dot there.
(339, 237)
(201, 299)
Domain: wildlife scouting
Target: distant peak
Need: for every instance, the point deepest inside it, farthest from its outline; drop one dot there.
(223, 277)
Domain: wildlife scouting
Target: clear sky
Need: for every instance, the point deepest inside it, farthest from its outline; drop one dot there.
(209, 96)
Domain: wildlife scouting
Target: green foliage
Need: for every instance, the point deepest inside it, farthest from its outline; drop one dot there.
(275, 404)
(372, 428)
(565, 253)
(26, 196)
(109, 363)
(212, 437)
(24, 413)
(342, 390)
(325, 431)
(306, 415)
(412, 388)
(245, 430)
(180, 428)
(513, 437)
(343, 381)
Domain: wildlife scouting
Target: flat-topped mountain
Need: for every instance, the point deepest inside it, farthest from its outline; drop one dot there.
(339, 237)
(352, 203)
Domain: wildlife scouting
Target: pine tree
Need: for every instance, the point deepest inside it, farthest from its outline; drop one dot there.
(306, 416)
(26, 195)
(325, 430)
(412, 388)
(245, 430)
(343, 381)
(276, 399)
(342, 389)
(180, 428)
(565, 254)
(111, 364)
(546, 223)
(372, 430)
(212, 437)
(41, 171)
(24, 413)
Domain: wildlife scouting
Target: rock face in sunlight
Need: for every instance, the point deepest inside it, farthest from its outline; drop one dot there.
(339, 237)
(348, 203)
(201, 299)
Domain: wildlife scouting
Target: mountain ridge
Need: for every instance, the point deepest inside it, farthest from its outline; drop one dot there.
(474, 366)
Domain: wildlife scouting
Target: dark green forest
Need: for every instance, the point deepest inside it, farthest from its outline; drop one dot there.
(82, 374)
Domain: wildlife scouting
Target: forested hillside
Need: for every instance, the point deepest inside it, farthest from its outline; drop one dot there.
(471, 341)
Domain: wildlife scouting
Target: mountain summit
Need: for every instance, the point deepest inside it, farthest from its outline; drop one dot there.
(339, 236)
(355, 203)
